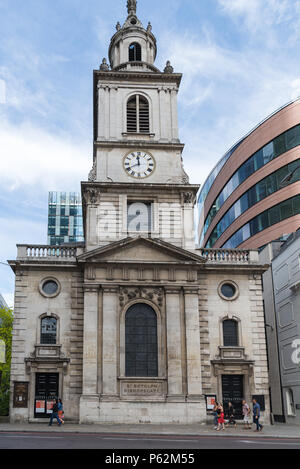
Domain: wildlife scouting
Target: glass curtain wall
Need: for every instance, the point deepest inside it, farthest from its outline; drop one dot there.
(270, 217)
(255, 194)
(65, 223)
(277, 147)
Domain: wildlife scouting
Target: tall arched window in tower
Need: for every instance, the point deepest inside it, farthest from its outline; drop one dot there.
(230, 333)
(48, 330)
(141, 352)
(135, 52)
(138, 115)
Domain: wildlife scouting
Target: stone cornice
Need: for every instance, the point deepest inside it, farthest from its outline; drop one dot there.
(184, 188)
(139, 144)
(128, 75)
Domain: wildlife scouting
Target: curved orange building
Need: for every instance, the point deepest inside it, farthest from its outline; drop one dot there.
(252, 196)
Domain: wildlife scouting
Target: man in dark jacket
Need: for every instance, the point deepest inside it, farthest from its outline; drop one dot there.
(54, 414)
(256, 415)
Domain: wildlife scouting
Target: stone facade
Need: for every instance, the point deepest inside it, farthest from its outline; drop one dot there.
(72, 335)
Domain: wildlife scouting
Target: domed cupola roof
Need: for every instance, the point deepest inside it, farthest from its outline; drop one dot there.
(133, 47)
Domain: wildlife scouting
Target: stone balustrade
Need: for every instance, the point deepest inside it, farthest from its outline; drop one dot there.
(46, 252)
(230, 256)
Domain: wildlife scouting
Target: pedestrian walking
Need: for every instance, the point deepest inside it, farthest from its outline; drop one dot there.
(230, 415)
(54, 414)
(215, 413)
(246, 415)
(60, 411)
(221, 420)
(256, 415)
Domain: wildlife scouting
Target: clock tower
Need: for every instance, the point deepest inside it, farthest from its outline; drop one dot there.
(141, 353)
(138, 184)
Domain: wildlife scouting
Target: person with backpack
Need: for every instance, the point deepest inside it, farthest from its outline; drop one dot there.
(54, 414)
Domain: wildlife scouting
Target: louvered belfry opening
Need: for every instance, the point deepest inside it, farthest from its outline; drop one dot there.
(135, 52)
(138, 115)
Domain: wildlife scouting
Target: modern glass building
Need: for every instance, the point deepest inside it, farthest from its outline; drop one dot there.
(252, 195)
(3, 303)
(64, 218)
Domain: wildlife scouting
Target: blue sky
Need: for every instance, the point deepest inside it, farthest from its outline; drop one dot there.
(239, 59)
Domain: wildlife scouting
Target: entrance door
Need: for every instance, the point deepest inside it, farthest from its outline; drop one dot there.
(233, 391)
(46, 391)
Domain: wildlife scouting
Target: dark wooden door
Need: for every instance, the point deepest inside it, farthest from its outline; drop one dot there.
(233, 391)
(46, 391)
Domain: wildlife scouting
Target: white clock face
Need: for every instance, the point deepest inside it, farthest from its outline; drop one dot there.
(139, 164)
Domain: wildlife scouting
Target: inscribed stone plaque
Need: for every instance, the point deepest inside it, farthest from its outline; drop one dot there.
(142, 388)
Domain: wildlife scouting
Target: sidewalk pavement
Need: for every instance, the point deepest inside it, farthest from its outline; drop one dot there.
(274, 431)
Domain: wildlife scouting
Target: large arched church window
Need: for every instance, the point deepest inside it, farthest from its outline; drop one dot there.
(141, 351)
(135, 52)
(230, 333)
(138, 115)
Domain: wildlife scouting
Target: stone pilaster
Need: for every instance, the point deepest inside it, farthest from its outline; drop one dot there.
(110, 341)
(90, 340)
(191, 300)
(174, 350)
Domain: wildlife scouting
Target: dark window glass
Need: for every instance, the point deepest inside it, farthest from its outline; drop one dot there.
(274, 215)
(135, 52)
(50, 287)
(286, 209)
(141, 355)
(230, 333)
(48, 331)
(258, 160)
(279, 145)
(292, 138)
(228, 290)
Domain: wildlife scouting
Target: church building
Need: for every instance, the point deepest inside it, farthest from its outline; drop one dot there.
(136, 324)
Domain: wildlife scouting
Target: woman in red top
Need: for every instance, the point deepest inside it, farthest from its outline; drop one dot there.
(221, 421)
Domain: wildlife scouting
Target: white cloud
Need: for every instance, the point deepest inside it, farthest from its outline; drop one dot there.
(260, 15)
(32, 156)
(225, 92)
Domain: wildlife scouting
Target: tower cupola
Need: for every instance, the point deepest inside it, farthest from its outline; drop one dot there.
(133, 47)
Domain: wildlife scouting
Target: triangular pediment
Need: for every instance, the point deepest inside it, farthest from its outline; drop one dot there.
(141, 250)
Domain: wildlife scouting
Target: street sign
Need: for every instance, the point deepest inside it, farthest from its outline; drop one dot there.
(2, 352)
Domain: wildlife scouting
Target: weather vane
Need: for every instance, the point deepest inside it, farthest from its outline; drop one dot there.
(131, 7)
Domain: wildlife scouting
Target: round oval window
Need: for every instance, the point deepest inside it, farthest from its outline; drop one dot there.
(228, 290)
(50, 287)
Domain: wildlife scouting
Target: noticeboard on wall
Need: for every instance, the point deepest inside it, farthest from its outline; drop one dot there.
(20, 394)
(210, 402)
